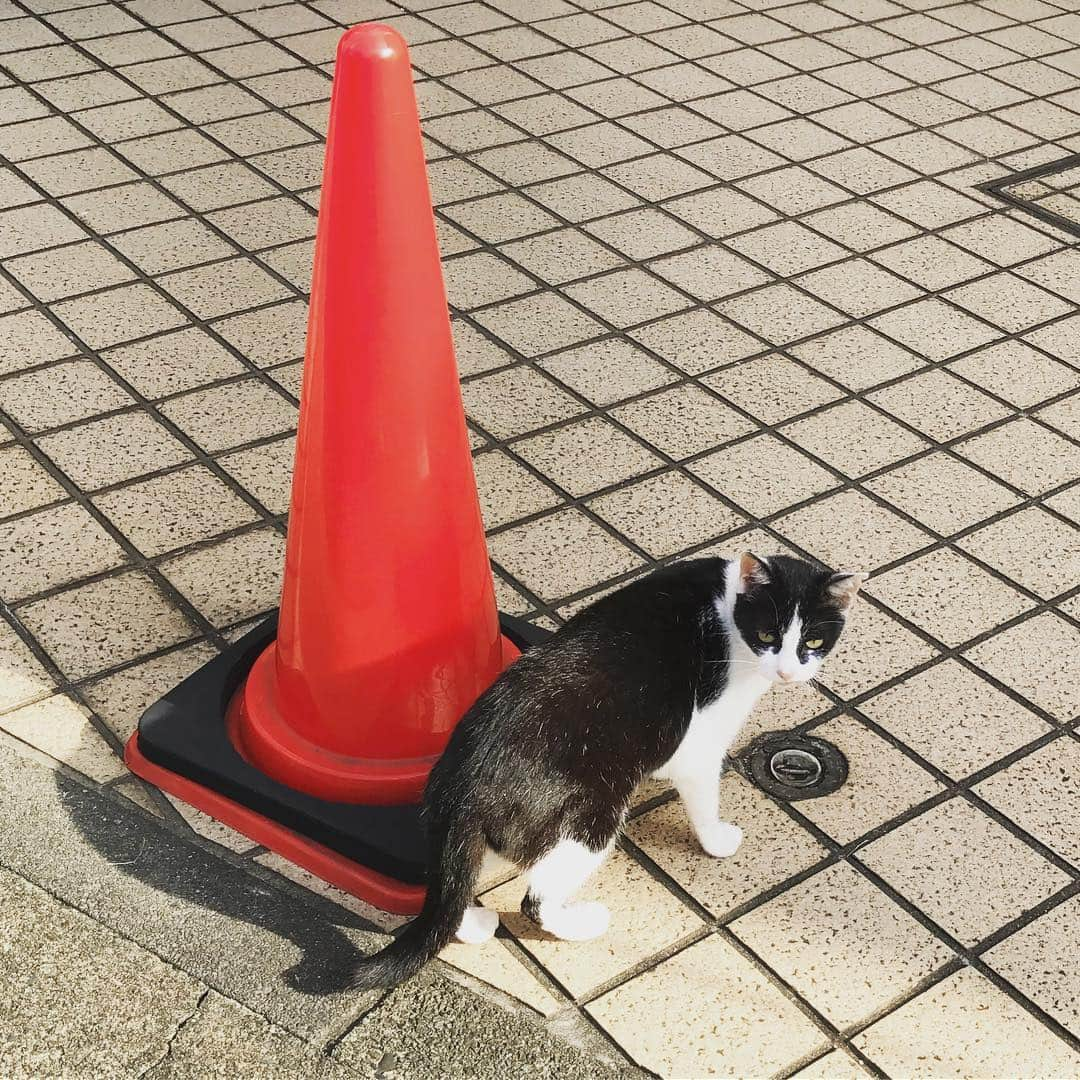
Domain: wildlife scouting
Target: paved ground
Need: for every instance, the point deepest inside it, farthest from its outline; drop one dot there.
(723, 277)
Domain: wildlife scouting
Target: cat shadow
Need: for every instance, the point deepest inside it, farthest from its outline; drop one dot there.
(146, 849)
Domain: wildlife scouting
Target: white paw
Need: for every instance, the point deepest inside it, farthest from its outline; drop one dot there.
(478, 925)
(721, 840)
(577, 922)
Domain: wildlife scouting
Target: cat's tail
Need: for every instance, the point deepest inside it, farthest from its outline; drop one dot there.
(457, 850)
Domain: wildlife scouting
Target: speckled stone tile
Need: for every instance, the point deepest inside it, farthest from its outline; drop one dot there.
(882, 783)
(835, 1065)
(965, 1026)
(842, 944)
(538, 324)
(856, 357)
(780, 314)
(939, 862)
(719, 1016)
(59, 727)
(1025, 454)
(956, 720)
(942, 492)
(608, 371)
(24, 483)
(771, 388)
(496, 964)
(121, 698)
(517, 400)
(233, 579)
(105, 623)
(938, 404)
(666, 514)
(1031, 959)
(645, 918)
(52, 547)
(561, 554)
(1040, 658)
(22, 677)
(508, 491)
(995, 369)
(1050, 567)
(948, 596)
(61, 394)
(774, 847)
(173, 362)
(171, 511)
(265, 471)
(763, 475)
(1041, 793)
(697, 341)
(230, 415)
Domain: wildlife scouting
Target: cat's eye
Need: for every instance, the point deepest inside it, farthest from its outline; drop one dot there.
(766, 637)
(814, 643)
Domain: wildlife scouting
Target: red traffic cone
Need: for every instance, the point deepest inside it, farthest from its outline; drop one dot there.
(388, 629)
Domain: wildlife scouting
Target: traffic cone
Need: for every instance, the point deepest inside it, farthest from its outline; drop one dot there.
(388, 628)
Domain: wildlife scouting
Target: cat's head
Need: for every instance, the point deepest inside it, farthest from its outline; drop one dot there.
(790, 613)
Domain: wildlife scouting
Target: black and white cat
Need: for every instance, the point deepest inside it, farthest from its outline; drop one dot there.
(655, 679)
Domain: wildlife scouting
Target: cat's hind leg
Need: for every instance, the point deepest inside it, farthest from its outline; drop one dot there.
(700, 793)
(553, 880)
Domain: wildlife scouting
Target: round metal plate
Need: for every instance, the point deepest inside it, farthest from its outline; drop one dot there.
(792, 766)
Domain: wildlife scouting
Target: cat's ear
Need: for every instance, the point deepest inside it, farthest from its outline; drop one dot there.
(842, 587)
(752, 572)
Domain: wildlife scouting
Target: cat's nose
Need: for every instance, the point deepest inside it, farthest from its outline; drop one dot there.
(785, 675)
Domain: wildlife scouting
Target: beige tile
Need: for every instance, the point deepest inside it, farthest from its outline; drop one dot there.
(29, 228)
(1025, 454)
(938, 404)
(697, 340)
(22, 677)
(231, 580)
(882, 783)
(931, 262)
(1008, 301)
(1067, 502)
(52, 547)
(539, 324)
(223, 287)
(266, 471)
(773, 847)
(561, 554)
(226, 416)
(1041, 793)
(645, 918)
(627, 297)
(118, 315)
(114, 449)
(1040, 658)
(710, 272)
(24, 484)
(1034, 548)
(1031, 959)
(683, 421)
(856, 357)
(65, 271)
(854, 438)
(835, 1065)
(608, 371)
(763, 475)
(494, 963)
(173, 362)
(995, 369)
(842, 944)
(939, 862)
(168, 512)
(476, 353)
(643, 234)
(62, 729)
(954, 719)
(965, 1026)
(28, 338)
(707, 1012)
(780, 314)
(561, 256)
(121, 699)
(105, 623)
(508, 490)
(587, 456)
(61, 394)
(516, 400)
(942, 492)
(772, 388)
(933, 329)
(666, 514)
(948, 596)
(850, 531)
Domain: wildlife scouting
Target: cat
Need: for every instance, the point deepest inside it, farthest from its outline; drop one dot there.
(654, 679)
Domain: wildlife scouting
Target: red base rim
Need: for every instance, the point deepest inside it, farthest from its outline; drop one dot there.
(377, 889)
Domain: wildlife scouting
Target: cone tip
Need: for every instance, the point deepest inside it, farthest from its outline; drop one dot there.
(373, 41)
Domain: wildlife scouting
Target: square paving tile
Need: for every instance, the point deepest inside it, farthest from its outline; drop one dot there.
(517, 400)
(939, 404)
(608, 371)
(781, 314)
(955, 719)
(1039, 658)
(265, 471)
(23, 677)
(173, 362)
(933, 329)
(938, 861)
(508, 490)
(1009, 302)
(1024, 454)
(855, 356)
(948, 596)
(714, 1003)
(772, 388)
(24, 483)
(232, 414)
(858, 287)
(539, 324)
(819, 933)
(995, 369)
(697, 340)
(105, 623)
(774, 847)
(964, 1024)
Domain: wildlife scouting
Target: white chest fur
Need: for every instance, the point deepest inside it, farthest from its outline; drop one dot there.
(714, 728)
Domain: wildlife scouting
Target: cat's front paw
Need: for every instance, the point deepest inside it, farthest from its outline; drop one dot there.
(721, 840)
